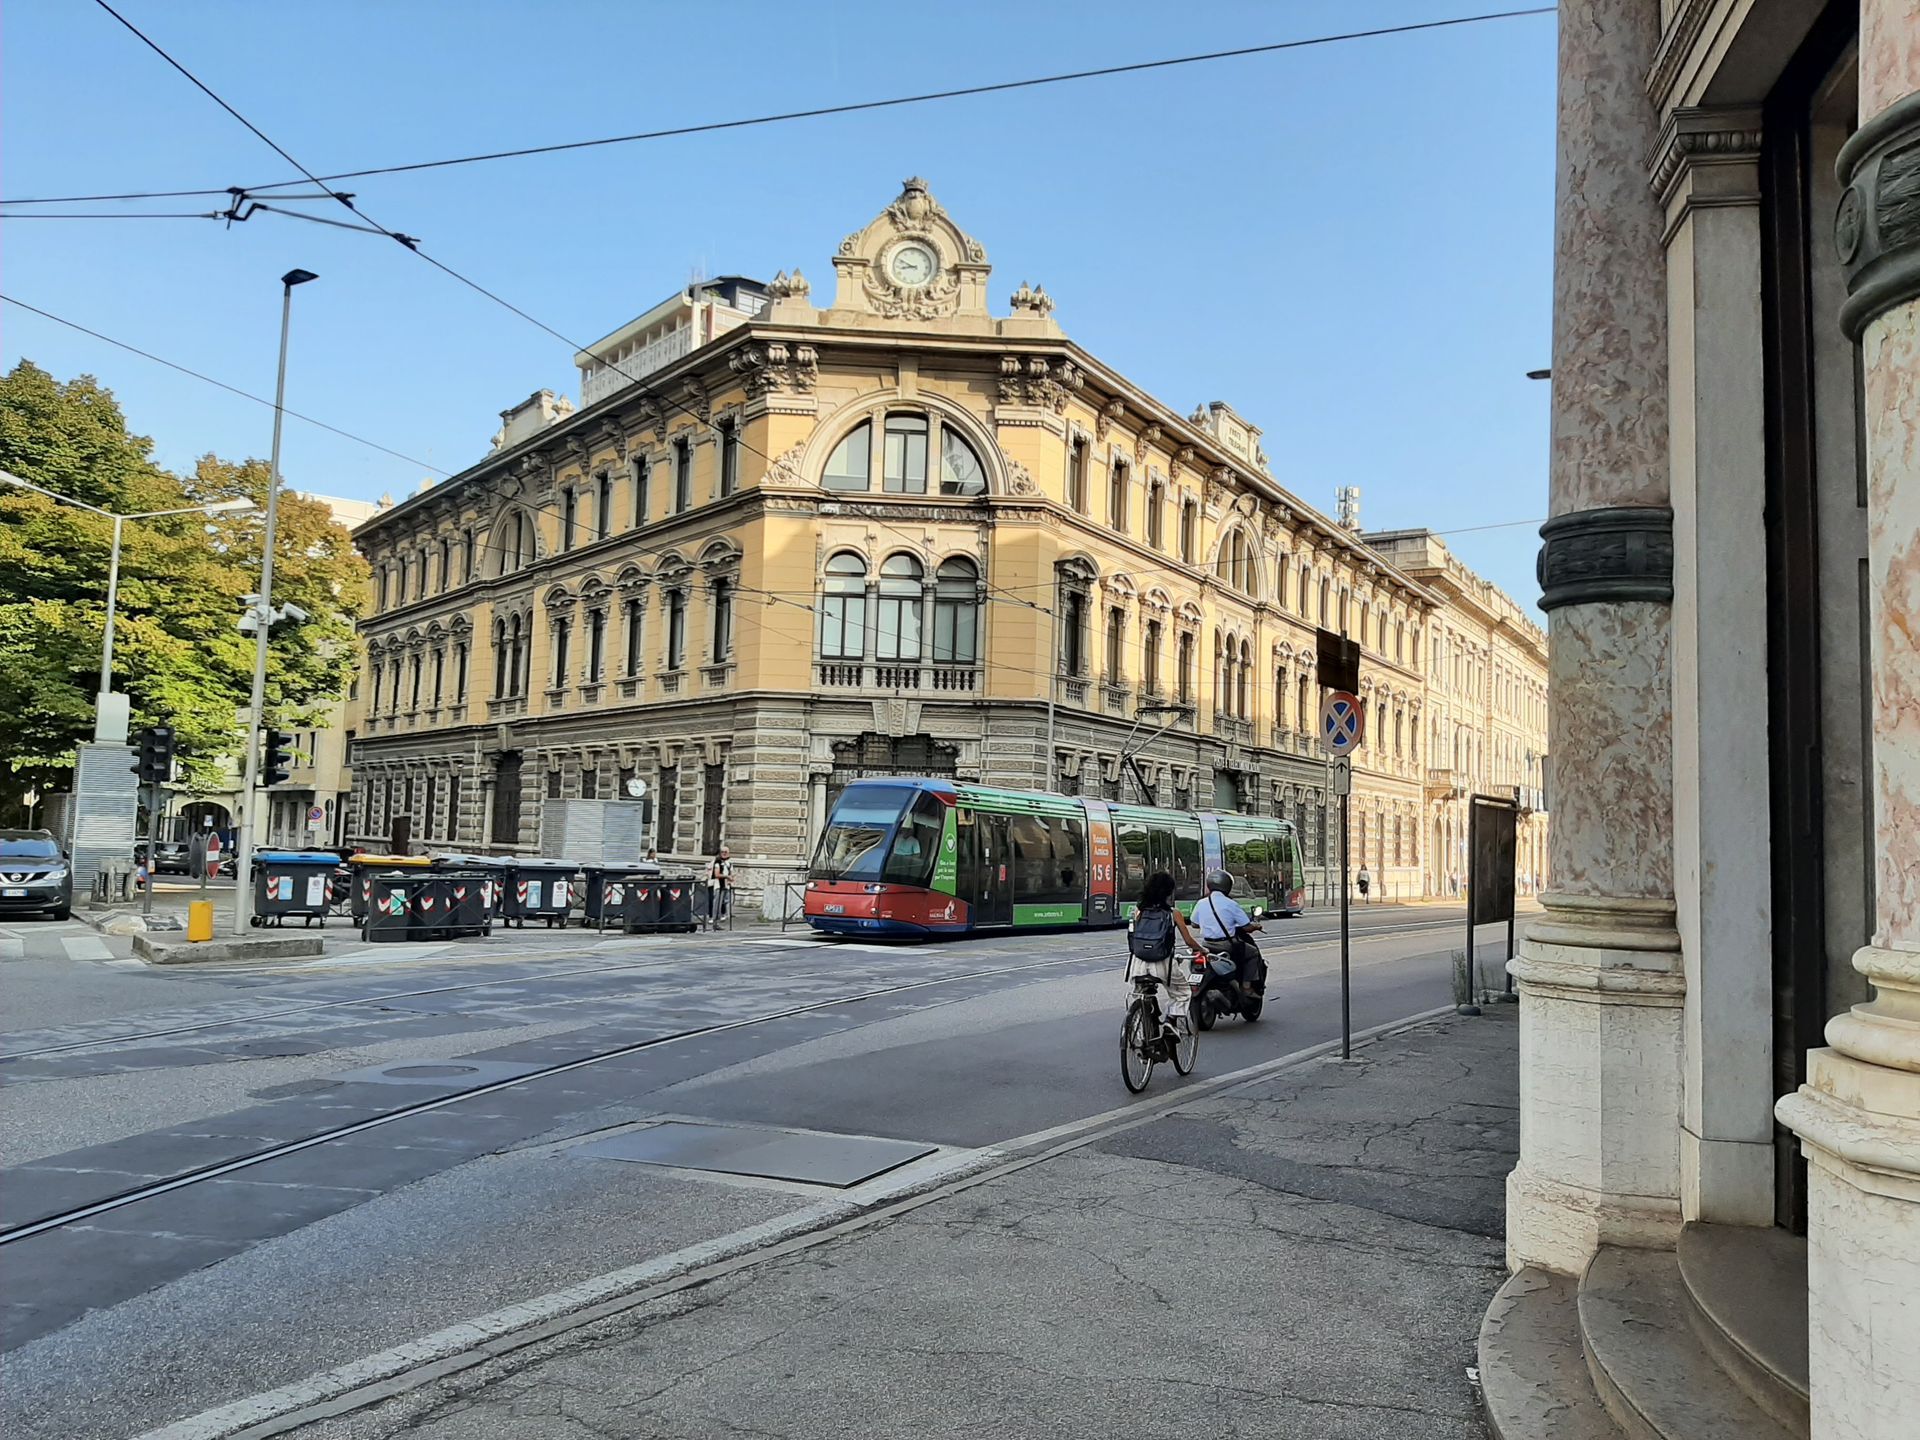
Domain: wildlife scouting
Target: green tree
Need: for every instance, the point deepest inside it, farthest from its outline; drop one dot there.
(177, 654)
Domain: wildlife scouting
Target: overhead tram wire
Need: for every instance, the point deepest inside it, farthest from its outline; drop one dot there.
(220, 384)
(818, 112)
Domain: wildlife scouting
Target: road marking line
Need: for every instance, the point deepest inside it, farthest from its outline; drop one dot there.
(367, 1381)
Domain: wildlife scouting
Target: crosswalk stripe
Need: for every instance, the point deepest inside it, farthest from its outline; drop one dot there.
(86, 947)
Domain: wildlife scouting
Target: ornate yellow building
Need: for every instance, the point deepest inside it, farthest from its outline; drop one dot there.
(788, 545)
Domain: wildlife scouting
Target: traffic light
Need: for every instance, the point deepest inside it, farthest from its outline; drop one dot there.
(276, 756)
(155, 764)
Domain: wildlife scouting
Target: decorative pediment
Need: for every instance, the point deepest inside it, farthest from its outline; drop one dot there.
(912, 263)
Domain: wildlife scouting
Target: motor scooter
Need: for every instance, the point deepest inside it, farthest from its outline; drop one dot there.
(1216, 991)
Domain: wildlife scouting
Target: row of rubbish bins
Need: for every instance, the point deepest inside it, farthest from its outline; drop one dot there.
(410, 897)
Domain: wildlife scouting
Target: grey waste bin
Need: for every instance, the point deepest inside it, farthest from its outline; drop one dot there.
(291, 882)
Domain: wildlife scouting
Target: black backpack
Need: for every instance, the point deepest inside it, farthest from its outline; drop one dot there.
(1151, 937)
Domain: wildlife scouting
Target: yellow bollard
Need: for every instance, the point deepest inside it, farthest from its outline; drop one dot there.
(199, 920)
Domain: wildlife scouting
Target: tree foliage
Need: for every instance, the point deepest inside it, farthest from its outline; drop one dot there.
(177, 654)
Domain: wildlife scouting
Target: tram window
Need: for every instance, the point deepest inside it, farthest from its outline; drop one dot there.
(917, 843)
(1130, 850)
(1189, 864)
(1049, 860)
(1249, 859)
(850, 846)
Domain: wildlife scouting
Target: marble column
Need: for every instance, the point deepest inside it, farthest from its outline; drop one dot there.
(1858, 1115)
(1705, 169)
(1600, 977)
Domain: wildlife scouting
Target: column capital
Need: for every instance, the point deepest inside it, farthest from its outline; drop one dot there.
(1705, 157)
(1876, 228)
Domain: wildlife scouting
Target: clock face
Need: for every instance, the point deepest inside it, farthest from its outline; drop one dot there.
(912, 265)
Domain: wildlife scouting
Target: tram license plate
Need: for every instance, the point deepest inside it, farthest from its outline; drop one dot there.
(829, 909)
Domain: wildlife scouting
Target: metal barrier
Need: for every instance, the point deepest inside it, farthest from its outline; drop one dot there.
(793, 902)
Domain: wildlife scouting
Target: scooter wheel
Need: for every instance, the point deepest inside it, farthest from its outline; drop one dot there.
(1202, 1012)
(1250, 1011)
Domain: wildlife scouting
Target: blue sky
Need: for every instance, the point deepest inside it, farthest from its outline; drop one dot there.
(1351, 244)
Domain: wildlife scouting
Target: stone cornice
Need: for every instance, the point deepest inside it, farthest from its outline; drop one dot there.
(1676, 48)
(1703, 158)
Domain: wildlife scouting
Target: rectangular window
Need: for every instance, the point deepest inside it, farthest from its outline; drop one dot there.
(446, 563)
(666, 801)
(589, 782)
(676, 629)
(374, 709)
(439, 674)
(713, 791)
(466, 568)
(1049, 859)
(1077, 475)
(905, 456)
(954, 636)
(1189, 530)
(561, 634)
(633, 637)
(843, 624)
(555, 785)
(639, 493)
(596, 645)
(1150, 660)
(1185, 666)
(506, 799)
(682, 475)
(1116, 643)
(722, 620)
(603, 506)
(1117, 496)
(429, 818)
(897, 625)
(1156, 516)
(729, 457)
(1073, 636)
(569, 516)
(460, 674)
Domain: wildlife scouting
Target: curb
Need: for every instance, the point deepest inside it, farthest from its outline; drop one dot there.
(389, 1373)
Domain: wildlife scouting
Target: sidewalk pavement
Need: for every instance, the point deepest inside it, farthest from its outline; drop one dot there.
(1308, 1256)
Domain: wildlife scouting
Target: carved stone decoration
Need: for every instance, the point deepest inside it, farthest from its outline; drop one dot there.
(927, 302)
(1031, 299)
(790, 287)
(1608, 555)
(699, 402)
(1109, 413)
(1019, 481)
(783, 471)
(1149, 437)
(1877, 226)
(1219, 482)
(1182, 458)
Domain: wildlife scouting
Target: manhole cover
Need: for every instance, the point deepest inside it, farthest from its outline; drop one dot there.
(806, 1156)
(448, 1075)
(431, 1072)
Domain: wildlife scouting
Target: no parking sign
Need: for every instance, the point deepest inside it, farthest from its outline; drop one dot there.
(1343, 723)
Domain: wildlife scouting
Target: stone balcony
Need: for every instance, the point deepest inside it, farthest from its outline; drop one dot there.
(1446, 783)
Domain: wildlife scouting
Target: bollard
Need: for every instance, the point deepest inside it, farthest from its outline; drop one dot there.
(199, 920)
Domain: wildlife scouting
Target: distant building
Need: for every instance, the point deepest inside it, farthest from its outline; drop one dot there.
(783, 546)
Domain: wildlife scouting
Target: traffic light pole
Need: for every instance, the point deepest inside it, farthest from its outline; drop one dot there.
(153, 847)
(243, 855)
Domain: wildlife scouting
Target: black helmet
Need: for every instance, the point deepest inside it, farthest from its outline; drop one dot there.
(1220, 880)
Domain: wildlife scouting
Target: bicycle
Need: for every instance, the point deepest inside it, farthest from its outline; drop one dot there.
(1147, 1037)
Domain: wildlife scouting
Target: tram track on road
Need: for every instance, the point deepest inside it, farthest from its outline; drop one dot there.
(217, 1169)
(314, 1007)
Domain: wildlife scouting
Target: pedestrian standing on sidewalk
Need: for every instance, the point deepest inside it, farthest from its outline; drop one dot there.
(720, 887)
(1365, 882)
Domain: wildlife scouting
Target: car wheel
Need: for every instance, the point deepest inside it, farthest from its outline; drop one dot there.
(64, 912)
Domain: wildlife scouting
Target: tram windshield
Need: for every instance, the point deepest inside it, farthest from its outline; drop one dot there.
(853, 846)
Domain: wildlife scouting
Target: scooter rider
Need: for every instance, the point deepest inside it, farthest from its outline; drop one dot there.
(1222, 921)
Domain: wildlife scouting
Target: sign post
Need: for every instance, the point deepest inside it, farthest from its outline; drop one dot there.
(1343, 724)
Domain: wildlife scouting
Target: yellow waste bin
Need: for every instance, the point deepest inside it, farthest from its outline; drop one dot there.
(200, 920)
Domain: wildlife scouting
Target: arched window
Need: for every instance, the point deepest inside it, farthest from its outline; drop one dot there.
(956, 612)
(1235, 564)
(843, 608)
(851, 464)
(961, 472)
(897, 630)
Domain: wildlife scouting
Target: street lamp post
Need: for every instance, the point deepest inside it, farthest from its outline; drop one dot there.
(263, 623)
(101, 719)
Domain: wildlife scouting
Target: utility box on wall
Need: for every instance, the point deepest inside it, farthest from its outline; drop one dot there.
(595, 832)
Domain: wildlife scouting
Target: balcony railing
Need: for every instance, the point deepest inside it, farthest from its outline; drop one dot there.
(607, 379)
(897, 676)
(1445, 783)
(1074, 689)
(1113, 698)
(505, 709)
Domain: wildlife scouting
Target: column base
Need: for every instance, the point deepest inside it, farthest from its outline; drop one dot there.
(1601, 991)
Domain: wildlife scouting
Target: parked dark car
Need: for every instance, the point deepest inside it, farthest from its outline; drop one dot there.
(34, 874)
(172, 857)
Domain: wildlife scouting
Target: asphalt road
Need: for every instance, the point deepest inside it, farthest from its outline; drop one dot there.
(136, 1314)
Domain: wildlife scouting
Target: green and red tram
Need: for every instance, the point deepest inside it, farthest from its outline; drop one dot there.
(906, 857)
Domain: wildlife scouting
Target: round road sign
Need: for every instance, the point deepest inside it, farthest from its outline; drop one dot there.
(1343, 724)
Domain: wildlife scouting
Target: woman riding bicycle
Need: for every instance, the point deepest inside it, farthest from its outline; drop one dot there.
(1156, 901)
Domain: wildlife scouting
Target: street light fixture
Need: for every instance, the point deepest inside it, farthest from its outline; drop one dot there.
(243, 852)
(101, 724)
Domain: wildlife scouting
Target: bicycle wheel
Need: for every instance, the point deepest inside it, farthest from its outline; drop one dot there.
(1186, 1043)
(1136, 1061)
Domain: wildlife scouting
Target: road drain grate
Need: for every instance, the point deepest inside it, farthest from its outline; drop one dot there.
(806, 1156)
